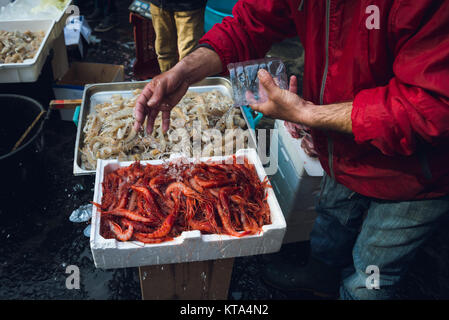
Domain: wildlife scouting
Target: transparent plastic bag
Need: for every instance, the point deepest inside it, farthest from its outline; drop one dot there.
(245, 83)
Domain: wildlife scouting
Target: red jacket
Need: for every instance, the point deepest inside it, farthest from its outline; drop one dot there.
(397, 77)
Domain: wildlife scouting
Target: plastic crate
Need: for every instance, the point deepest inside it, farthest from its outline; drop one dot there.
(222, 6)
(146, 65)
(212, 17)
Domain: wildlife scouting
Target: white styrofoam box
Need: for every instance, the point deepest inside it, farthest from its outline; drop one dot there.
(29, 70)
(190, 245)
(299, 158)
(296, 184)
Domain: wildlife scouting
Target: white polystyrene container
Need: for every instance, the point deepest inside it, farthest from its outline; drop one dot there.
(190, 245)
(296, 184)
(29, 70)
(300, 160)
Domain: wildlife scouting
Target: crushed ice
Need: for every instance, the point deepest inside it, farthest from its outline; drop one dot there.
(82, 214)
(86, 231)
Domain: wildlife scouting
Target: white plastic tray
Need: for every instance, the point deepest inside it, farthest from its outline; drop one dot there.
(29, 70)
(190, 245)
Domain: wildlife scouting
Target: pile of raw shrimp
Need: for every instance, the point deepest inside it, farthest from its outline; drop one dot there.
(156, 203)
(16, 46)
(108, 132)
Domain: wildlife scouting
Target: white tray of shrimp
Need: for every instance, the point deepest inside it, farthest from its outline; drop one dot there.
(189, 245)
(29, 69)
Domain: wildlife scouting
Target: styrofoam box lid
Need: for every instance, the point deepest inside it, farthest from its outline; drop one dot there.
(190, 245)
(300, 159)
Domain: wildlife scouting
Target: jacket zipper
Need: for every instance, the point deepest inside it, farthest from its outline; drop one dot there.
(330, 142)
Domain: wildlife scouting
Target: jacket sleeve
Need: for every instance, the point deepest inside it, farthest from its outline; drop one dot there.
(414, 106)
(249, 34)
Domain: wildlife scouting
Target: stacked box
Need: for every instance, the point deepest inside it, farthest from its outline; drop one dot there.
(296, 184)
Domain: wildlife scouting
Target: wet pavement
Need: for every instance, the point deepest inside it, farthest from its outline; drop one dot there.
(38, 242)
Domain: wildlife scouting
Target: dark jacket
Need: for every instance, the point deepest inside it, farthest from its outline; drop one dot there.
(179, 5)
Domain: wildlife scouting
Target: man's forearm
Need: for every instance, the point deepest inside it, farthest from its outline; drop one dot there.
(199, 64)
(335, 117)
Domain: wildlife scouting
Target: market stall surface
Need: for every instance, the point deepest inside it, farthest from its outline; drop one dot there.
(39, 243)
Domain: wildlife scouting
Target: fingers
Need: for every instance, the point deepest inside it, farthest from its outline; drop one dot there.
(249, 96)
(140, 110)
(293, 86)
(151, 118)
(158, 90)
(165, 120)
(140, 113)
(263, 108)
(268, 84)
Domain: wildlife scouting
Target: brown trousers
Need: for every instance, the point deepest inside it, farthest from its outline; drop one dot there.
(177, 34)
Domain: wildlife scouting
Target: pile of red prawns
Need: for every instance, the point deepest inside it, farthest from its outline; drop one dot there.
(155, 203)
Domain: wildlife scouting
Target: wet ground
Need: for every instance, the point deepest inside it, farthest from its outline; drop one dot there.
(38, 242)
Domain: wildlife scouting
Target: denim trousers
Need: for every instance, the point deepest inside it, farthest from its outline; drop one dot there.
(370, 239)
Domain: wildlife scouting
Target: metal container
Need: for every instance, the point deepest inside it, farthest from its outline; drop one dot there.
(99, 93)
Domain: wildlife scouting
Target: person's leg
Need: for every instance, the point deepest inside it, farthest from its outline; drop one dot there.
(98, 12)
(339, 217)
(390, 236)
(340, 214)
(190, 28)
(110, 8)
(110, 19)
(165, 44)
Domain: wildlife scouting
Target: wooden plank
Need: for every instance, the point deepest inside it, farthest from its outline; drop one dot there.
(201, 280)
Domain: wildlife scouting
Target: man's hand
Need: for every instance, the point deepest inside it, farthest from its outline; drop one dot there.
(167, 89)
(285, 105)
(160, 95)
(280, 104)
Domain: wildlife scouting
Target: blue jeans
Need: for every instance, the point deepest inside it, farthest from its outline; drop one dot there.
(353, 232)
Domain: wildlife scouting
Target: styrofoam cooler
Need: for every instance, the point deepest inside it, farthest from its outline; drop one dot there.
(296, 184)
(190, 245)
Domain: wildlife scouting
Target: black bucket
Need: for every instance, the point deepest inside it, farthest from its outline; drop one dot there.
(21, 170)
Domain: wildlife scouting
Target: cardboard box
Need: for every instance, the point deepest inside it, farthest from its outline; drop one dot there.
(60, 62)
(71, 85)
